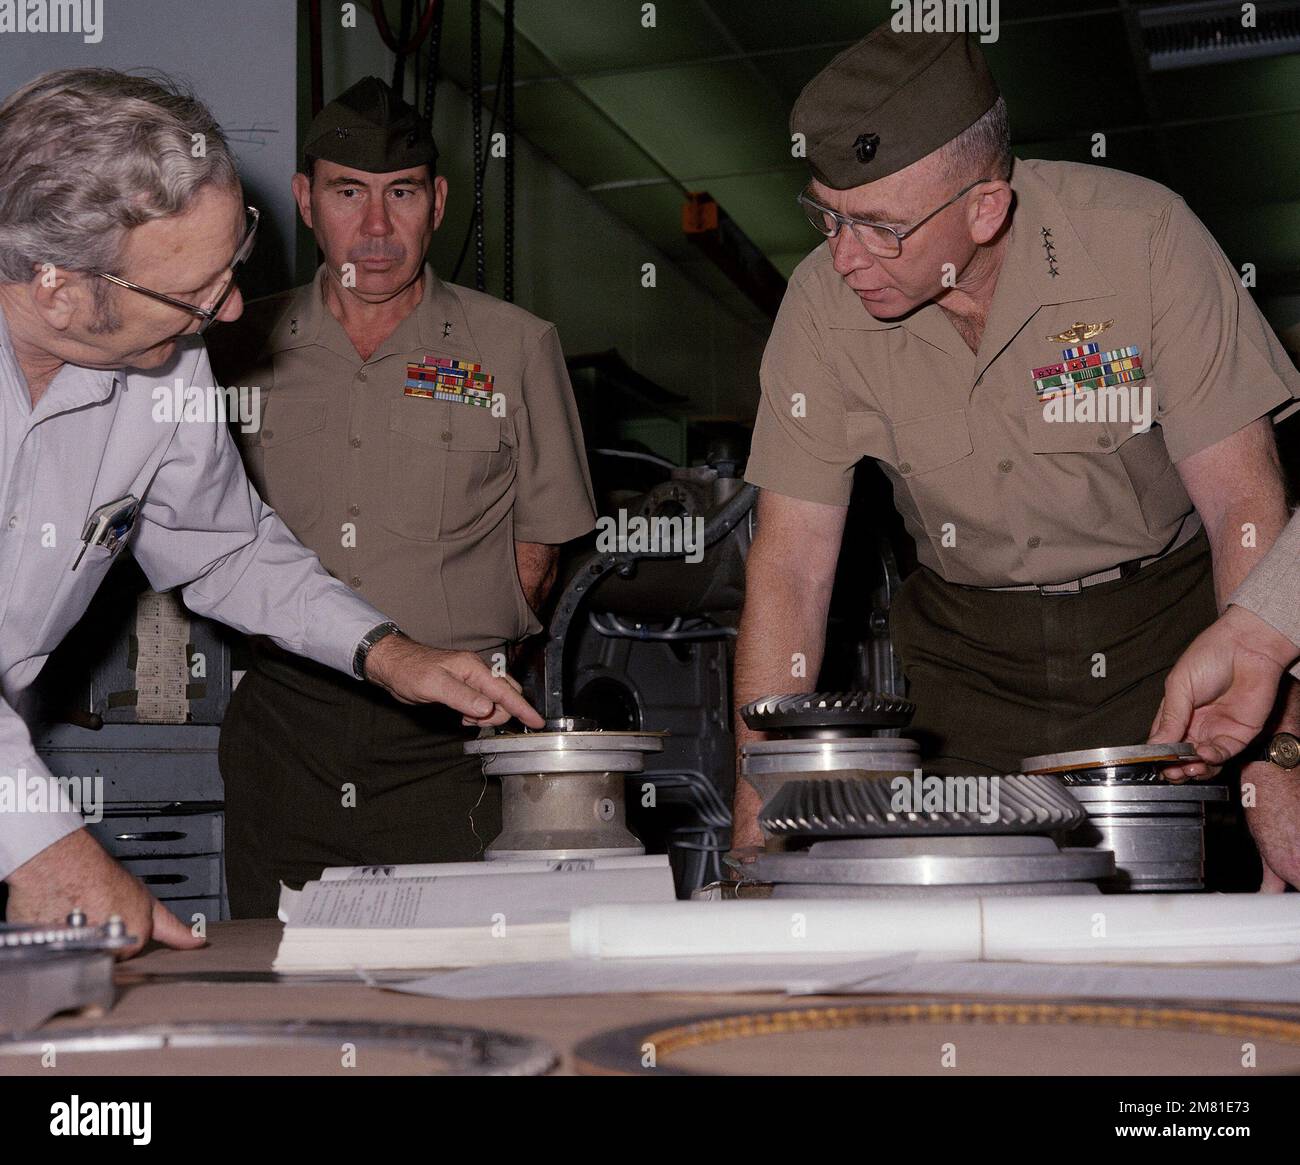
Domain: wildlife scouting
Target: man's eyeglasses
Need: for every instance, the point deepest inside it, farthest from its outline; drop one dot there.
(877, 238)
(208, 313)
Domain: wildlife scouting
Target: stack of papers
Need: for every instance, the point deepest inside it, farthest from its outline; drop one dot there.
(377, 918)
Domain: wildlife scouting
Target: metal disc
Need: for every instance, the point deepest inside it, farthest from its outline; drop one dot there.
(566, 742)
(1162, 798)
(419, 1049)
(525, 753)
(855, 1037)
(1101, 758)
(926, 893)
(936, 862)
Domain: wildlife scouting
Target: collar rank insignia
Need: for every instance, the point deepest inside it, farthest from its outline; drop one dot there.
(1049, 249)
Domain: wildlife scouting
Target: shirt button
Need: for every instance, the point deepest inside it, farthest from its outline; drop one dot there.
(1005, 465)
(354, 582)
(13, 521)
(1034, 542)
(361, 376)
(445, 434)
(354, 510)
(268, 433)
(355, 442)
(904, 467)
(1104, 442)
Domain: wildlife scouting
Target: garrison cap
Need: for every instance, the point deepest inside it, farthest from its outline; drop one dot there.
(369, 127)
(888, 101)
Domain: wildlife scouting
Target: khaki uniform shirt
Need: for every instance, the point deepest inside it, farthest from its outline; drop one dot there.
(415, 502)
(994, 493)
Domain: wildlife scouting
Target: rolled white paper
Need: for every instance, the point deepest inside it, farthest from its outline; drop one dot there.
(1138, 928)
(1144, 928)
(941, 929)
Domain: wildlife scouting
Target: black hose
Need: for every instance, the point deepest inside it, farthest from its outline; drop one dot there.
(399, 61)
(594, 568)
(508, 79)
(435, 51)
(482, 169)
(476, 97)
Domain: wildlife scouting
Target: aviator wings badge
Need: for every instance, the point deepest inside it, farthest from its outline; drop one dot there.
(1080, 331)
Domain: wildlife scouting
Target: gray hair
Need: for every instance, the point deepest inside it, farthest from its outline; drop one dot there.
(982, 149)
(88, 154)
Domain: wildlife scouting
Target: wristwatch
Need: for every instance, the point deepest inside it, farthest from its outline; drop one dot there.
(367, 642)
(1283, 750)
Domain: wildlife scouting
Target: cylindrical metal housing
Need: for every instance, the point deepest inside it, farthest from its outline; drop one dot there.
(1157, 832)
(562, 792)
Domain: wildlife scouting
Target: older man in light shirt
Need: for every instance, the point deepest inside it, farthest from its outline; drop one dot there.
(117, 245)
(1224, 690)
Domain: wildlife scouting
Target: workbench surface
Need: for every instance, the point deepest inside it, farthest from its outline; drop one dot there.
(161, 986)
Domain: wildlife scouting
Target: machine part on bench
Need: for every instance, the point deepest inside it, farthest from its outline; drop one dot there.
(280, 1048)
(562, 793)
(864, 807)
(1129, 764)
(827, 715)
(1156, 831)
(769, 765)
(897, 1037)
(48, 969)
(1001, 864)
(841, 891)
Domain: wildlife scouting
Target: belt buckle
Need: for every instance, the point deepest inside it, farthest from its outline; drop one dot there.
(1073, 587)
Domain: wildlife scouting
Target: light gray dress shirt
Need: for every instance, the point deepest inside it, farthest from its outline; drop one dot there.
(95, 437)
(1272, 589)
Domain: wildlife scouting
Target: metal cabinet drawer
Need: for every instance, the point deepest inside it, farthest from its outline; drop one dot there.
(185, 877)
(136, 833)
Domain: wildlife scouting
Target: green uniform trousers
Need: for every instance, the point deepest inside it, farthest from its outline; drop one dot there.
(321, 770)
(997, 675)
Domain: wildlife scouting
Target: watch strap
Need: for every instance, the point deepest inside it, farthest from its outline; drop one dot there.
(371, 637)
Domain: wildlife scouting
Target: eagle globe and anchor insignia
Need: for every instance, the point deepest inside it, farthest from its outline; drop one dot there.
(865, 146)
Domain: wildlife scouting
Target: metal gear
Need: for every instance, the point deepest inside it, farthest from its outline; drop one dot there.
(826, 714)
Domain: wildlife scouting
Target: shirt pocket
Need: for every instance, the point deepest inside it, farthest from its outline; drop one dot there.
(931, 443)
(1140, 457)
(1099, 437)
(288, 461)
(447, 465)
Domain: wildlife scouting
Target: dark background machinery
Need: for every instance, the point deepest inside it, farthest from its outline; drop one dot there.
(645, 642)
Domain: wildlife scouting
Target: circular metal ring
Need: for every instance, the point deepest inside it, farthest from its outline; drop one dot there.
(937, 868)
(623, 1051)
(544, 742)
(1100, 758)
(434, 1049)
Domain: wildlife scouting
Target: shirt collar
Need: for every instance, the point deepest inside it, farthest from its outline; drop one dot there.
(306, 320)
(72, 387)
(442, 321)
(1045, 263)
